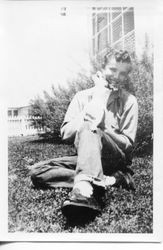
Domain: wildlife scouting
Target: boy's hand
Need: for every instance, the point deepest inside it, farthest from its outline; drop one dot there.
(92, 111)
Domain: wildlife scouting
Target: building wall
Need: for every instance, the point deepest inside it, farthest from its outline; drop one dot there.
(144, 29)
(18, 111)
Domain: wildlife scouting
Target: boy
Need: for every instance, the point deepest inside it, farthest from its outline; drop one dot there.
(102, 124)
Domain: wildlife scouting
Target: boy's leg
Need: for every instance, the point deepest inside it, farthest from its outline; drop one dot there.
(88, 145)
(116, 164)
(96, 152)
(57, 172)
(89, 179)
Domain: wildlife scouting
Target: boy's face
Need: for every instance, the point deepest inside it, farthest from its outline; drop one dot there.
(116, 73)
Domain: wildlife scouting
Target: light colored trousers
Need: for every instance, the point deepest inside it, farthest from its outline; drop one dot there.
(97, 155)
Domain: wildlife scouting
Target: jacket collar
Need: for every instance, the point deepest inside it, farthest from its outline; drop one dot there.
(115, 94)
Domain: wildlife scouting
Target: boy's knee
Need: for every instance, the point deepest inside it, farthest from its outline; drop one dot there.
(85, 126)
(33, 176)
(86, 135)
(36, 180)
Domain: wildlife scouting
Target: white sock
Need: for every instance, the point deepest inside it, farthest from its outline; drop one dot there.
(85, 188)
(110, 180)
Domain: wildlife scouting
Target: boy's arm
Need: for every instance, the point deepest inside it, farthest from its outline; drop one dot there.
(126, 134)
(72, 121)
(69, 129)
(129, 119)
(121, 140)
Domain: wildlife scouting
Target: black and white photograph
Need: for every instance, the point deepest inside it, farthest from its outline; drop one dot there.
(79, 85)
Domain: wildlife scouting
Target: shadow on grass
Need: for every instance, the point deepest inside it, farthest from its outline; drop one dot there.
(73, 216)
(79, 216)
(54, 140)
(144, 151)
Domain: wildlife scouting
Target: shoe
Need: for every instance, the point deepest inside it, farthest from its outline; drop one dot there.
(99, 194)
(77, 204)
(124, 180)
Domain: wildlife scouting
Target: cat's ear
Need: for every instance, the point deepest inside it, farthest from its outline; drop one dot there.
(99, 74)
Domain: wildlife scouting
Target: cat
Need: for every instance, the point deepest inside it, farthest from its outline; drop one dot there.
(99, 101)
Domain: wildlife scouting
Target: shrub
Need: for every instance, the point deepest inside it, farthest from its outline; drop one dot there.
(142, 78)
(53, 108)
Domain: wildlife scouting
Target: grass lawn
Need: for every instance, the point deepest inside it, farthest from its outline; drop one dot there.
(36, 210)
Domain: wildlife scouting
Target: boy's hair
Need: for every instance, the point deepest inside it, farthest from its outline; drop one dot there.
(124, 57)
(120, 56)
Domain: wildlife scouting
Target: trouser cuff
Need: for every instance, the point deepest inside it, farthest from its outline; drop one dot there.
(93, 180)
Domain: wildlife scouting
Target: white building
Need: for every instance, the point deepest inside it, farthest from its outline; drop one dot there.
(19, 122)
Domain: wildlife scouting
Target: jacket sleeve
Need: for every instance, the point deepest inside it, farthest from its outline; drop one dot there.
(72, 121)
(129, 119)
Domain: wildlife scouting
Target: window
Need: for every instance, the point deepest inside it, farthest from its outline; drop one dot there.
(102, 40)
(94, 47)
(109, 16)
(101, 21)
(15, 112)
(109, 34)
(118, 45)
(10, 113)
(128, 20)
(129, 42)
(117, 29)
(116, 12)
(93, 24)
